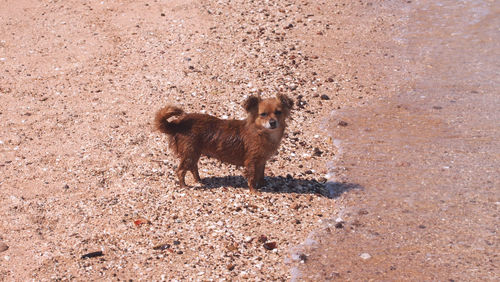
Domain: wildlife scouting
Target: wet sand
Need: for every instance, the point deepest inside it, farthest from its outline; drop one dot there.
(428, 159)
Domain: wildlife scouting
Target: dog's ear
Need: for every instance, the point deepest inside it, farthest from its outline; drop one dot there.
(285, 101)
(251, 104)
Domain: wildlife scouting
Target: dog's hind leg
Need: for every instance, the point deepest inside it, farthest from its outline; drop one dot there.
(194, 171)
(189, 163)
(181, 174)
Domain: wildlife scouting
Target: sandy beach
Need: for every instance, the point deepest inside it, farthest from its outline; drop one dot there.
(88, 189)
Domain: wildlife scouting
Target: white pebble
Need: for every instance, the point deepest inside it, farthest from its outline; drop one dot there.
(365, 256)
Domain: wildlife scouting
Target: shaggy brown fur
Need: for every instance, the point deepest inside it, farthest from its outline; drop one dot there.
(249, 143)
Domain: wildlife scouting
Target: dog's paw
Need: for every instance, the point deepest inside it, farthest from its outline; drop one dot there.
(254, 191)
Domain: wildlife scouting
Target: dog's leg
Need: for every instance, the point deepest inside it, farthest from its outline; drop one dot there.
(251, 173)
(189, 163)
(260, 174)
(194, 171)
(181, 174)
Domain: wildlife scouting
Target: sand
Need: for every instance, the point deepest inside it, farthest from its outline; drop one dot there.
(87, 187)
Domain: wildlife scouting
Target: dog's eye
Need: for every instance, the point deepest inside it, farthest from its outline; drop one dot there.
(263, 114)
(277, 113)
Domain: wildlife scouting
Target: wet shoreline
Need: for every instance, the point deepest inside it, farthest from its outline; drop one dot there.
(427, 158)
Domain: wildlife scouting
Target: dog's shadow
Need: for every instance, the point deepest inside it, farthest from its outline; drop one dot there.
(281, 184)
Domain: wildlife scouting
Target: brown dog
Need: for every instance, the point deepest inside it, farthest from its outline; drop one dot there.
(249, 143)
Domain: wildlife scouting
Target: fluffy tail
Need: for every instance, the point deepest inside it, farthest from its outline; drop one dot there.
(163, 115)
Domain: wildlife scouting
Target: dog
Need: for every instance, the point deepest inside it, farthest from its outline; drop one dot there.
(248, 143)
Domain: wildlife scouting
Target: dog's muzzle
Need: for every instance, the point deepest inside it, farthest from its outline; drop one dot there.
(273, 124)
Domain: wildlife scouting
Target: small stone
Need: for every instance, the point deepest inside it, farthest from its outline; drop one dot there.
(92, 255)
(324, 97)
(161, 247)
(232, 247)
(356, 223)
(339, 225)
(230, 267)
(342, 123)
(270, 246)
(262, 238)
(362, 212)
(317, 152)
(3, 247)
(303, 257)
(365, 256)
(141, 221)
(176, 242)
(66, 186)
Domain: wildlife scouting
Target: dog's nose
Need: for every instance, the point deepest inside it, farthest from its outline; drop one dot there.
(273, 123)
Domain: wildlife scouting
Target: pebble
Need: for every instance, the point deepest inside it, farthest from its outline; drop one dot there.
(3, 247)
(342, 123)
(365, 256)
(324, 97)
(317, 152)
(161, 247)
(92, 255)
(362, 212)
(141, 221)
(303, 257)
(270, 245)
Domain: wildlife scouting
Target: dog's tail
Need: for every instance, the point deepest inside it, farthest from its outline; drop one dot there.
(163, 115)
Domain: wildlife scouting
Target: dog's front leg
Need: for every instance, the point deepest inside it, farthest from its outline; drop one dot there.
(260, 174)
(252, 178)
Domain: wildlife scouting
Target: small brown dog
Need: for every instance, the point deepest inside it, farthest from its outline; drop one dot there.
(249, 143)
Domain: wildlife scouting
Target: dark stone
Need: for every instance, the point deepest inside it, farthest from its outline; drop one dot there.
(92, 255)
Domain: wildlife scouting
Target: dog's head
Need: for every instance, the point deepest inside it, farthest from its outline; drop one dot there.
(268, 113)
